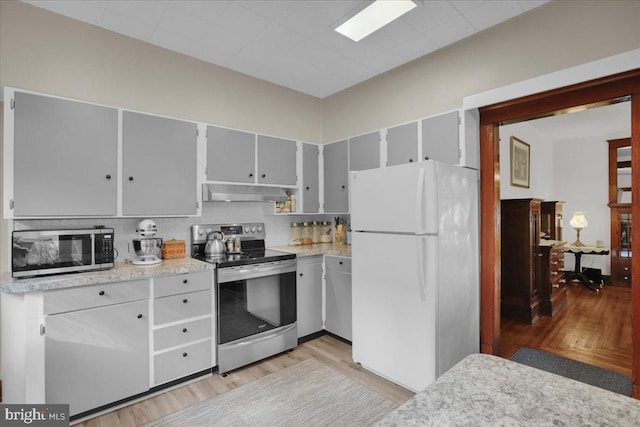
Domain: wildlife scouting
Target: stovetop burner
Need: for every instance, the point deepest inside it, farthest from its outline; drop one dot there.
(251, 240)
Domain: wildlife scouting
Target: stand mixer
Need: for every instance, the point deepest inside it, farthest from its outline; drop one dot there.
(147, 247)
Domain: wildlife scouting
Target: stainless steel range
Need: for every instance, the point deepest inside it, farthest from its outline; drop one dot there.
(255, 294)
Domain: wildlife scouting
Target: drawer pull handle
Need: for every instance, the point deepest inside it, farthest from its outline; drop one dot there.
(554, 273)
(184, 301)
(139, 316)
(101, 293)
(626, 269)
(626, 277)
(555, 285)
(184, 330)
(185, 281)
(301, 274)
(184, 354)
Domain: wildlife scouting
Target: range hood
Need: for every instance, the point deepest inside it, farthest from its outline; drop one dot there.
(241, 193)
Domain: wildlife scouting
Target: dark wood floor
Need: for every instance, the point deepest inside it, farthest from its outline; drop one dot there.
(593, 327)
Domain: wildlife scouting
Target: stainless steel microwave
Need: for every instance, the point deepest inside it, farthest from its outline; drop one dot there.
(42, 252)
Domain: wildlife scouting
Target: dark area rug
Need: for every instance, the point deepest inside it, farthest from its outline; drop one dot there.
(575, 370)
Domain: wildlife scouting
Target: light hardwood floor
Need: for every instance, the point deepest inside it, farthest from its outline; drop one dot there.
(594, 328)
(326, 349)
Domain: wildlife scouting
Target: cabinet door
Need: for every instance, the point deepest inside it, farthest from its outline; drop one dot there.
(338, 304)
(440, 138)
(96, 356)
(276, 161)
(231, 155)
(64, 157)
(310, 178)
(159, 166)
(402, 144)
(336, 177)
(309, 298)
(364, 152)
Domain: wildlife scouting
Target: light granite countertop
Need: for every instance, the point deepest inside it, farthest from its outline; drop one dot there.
(484, 390)
(316, 249)
(123, 271)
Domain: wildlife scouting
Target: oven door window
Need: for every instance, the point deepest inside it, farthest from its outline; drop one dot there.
(52, 252)
(248, 307)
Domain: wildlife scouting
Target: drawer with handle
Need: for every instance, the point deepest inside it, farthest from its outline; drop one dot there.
(183, 333)
(180, 307)
(83, 297)
(181, 362)
(338, 264)
(182, 283)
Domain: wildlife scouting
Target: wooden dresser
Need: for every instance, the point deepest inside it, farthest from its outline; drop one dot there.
(552, 283)
(520, 260)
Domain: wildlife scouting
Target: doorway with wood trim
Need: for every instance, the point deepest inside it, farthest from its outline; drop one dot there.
(595, 92)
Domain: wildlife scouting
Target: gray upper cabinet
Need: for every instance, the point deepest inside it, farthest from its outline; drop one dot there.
(402, 144)
(231, 155)
(310, 178)
(159, 167)
(276, 161)
(364, 152)
(64, 157)
(336, 177)
(440, 138)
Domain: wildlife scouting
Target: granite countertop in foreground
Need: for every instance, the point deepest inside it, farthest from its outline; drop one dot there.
(484, 390)
(316, 249)
(123, 271)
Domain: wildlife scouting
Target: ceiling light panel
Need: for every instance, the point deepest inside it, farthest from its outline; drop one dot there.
(373, 17)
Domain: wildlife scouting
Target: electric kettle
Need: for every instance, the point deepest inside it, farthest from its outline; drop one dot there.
(214, 245)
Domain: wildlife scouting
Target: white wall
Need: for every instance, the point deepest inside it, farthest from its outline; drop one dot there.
(541, 163)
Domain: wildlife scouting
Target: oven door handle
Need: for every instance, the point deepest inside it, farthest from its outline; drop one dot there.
(230, 274)
(282, 331)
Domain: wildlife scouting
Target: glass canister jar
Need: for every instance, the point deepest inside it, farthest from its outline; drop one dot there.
(295, 234)
(316, 231)
(307, 233)
(325, 232)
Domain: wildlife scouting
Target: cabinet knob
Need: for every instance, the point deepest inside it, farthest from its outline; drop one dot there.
(184, 354)
(555, 285)
(307, 188)
(250, 175)
(344, 186)
(301, 274)
(184, 330)
(264, 175)
(340, 262)
(108, 177)
(626, 277)
(184, 301)
(130, 178)
(426, 157)
(626, 269)
(101, 293)
(410, 160)
(185, 281)
(139, 316)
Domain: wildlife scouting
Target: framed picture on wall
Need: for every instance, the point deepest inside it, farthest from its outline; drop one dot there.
(520, 163)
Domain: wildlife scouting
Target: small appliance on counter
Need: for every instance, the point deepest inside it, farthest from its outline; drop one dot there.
(147, 247)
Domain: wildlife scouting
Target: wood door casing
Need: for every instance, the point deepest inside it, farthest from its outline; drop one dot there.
(602, 90)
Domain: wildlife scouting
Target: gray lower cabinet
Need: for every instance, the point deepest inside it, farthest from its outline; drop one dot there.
(336, 177)
(96, 356)
(64, 157)
(310, 178)
(338, 296)
(364, 152)
(159, 166)
(402, 144)
(231, 155)
(276, 161)
(309, 295)
(440, 138)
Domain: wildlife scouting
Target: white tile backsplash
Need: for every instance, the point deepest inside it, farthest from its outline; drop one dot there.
(276, 226)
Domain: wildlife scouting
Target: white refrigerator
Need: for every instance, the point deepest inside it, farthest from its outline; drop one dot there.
(415, 270)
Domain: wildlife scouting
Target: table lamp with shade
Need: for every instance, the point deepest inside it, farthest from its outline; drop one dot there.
(578, 222)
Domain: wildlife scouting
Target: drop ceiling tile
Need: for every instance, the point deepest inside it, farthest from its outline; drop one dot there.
(88, 11)
(394, 34)
(430, 13)
(146, 10)
(207, 10)
(176, 42)
(182, 23)
(491, 13)
(450, 31)
(127, 25)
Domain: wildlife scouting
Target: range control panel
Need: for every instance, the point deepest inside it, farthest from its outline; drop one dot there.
(244, 231)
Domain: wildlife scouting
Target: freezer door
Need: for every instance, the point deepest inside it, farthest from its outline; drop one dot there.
(395, 199)
(394, 306)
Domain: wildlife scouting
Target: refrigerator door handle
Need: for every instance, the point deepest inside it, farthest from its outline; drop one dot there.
(420, 203)
(422, 286)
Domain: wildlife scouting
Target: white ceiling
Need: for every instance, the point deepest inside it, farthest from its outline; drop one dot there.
(291, 42)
